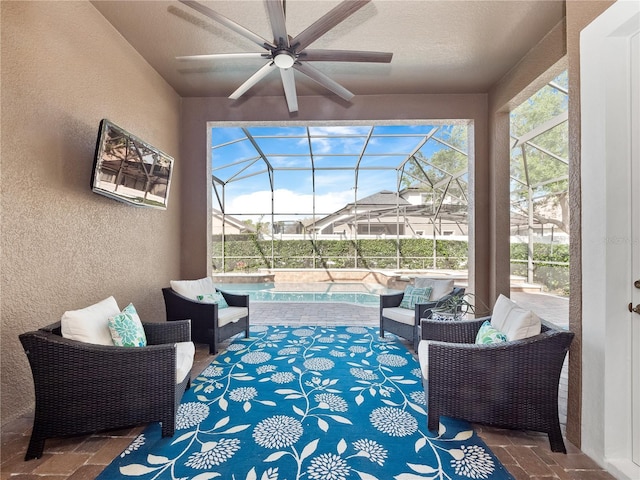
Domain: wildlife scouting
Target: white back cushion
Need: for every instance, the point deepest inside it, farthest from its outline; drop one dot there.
(90, 324)
(500, 312)
(192, 288)
(514, 321)
(439, 287)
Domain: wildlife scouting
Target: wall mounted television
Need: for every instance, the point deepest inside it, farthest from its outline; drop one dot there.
(130, 170)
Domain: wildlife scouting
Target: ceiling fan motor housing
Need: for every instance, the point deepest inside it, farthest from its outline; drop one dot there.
(284, 58)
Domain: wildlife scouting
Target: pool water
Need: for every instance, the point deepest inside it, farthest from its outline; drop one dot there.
(357, 293)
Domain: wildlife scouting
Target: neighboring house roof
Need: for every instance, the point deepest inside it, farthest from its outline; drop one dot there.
(234, 222)
(378, 204)
(386, 203)
(384, 197)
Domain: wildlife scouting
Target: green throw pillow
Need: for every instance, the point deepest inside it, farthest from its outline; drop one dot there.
(213, 298)
(126, 328)
(488, 334)
(413, 295)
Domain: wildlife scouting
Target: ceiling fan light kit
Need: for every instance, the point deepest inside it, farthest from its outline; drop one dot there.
(290, 53)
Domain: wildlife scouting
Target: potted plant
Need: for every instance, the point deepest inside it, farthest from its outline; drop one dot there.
(455, 307)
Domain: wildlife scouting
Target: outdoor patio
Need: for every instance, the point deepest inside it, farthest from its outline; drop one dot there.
(525, 454)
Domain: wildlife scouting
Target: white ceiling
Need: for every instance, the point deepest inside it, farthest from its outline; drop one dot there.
(438, 46)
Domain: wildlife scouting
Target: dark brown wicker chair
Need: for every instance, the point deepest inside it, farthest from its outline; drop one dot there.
(410, 330)
(205, 327)
(509, 385)
(82, 388)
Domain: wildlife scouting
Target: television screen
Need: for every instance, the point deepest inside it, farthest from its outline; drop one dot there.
(130, 170)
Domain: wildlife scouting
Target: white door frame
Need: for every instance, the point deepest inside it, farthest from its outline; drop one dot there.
(607, 241)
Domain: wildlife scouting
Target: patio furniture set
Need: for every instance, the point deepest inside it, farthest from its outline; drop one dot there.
(101, 368)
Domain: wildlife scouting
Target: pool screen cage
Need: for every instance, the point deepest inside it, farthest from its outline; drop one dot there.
(338, 185)
(366, 196)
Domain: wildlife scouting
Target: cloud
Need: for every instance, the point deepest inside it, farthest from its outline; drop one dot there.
(257, 204)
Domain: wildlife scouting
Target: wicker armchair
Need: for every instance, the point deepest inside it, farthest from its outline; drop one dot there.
(404, 322)
(206, 324)
(509, 385)
(81, 388)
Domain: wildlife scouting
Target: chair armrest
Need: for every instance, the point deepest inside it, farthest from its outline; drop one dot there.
(463, 331)
(235, 299)
(391, 300)
(52, 328)
(423, 310)
(459, 291)
(167, 332)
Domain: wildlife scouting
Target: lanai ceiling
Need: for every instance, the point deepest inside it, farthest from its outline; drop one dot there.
(438, 46)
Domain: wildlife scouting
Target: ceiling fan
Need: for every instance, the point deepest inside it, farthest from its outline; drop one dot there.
(287, 53)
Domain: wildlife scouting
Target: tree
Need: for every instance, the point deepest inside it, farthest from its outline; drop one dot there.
(540, 163)
(443, 173)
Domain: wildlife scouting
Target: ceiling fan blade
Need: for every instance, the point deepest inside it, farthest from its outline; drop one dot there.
(222, 56)
(316, 55)
(323, 80)
(326, 23)
(289, 85)
(253, 79)
(236, 27)
(276, 16)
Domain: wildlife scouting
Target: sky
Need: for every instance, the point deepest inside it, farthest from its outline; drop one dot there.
(237, 162)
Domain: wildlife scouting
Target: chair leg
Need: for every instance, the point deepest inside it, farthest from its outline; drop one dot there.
(36, 447)
(555, 440)
(168, 427)
(213, 342)
(433, 421)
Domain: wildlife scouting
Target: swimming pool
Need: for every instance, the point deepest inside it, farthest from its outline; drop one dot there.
(357, 293)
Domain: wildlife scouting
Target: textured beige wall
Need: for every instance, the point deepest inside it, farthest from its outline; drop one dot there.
(579, 14)
(198, 111)
(63, 247)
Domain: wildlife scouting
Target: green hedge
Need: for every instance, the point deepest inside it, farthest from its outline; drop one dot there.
(542, 252)
(413, 252)
(246, 253)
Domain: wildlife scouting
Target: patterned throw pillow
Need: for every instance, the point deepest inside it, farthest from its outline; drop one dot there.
(488, 334)
(126, 328)
(213, 298)
(413, 295)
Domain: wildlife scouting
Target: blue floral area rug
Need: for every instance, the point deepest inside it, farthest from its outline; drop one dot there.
(312, 403)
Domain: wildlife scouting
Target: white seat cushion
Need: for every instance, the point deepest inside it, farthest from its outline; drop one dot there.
(439, 287)
(399, 314)
(90, 324)
(231, 315)
(192, 288)
(514, 321)
(423, 357)
(185, 352)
